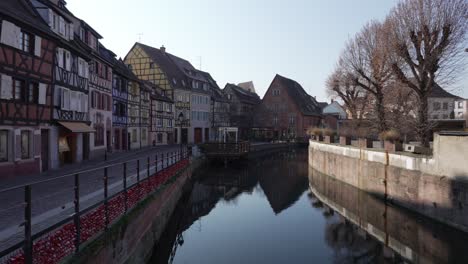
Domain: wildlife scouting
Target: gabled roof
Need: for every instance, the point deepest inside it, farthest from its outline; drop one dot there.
(306, 103)
(167, 63)
(249, 86)
(439, 92)
(156, 92)
(25, 13)
(122, 69)
(243, 95)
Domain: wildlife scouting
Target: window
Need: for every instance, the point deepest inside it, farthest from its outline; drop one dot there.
(159, 122)
(99, 135)
(143, 135)
(229, 97)
(460, 105)
(445, 106)
(160, 106)
(435, 117)
(160, 138)
(436, 106)
(169, 123)
(20, 90)
(134, 135)
(151, 65)
(275, 120)
(25, 143)
(276, 92)
(33, 93)
(26, 42)
(444, 116)
(3, 145)
(292, 120)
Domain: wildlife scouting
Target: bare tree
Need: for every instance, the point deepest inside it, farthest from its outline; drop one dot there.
(429, 36)
(341, 85)
(368, 62)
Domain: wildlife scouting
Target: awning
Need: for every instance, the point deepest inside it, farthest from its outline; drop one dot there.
(77, 127)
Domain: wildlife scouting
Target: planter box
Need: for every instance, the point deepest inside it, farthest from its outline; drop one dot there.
(329, 139)
(393, 146)
(345, 141)
(365, 143)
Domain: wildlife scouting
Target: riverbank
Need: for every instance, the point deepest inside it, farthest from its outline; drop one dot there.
(432, 186)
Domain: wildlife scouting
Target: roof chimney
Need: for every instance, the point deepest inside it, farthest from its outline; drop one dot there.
(163, 49)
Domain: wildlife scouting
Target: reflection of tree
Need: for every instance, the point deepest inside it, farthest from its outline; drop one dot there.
(349, 246)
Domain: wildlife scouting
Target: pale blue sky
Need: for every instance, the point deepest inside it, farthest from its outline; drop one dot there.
(238, 40)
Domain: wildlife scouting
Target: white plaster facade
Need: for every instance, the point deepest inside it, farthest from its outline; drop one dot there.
(200, 117)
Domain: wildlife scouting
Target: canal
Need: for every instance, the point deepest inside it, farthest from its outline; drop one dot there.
(276, 209)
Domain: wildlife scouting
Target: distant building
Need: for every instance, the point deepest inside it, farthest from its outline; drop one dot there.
(162, 118)
(241, 107)
(441, 104)
(461, 110)
(248, 86)
(335, 109)
(220, 116)
(292, 109)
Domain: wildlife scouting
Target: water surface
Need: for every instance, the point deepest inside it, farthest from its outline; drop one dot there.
(278, 210)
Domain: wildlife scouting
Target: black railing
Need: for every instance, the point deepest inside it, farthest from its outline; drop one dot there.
(93, 208)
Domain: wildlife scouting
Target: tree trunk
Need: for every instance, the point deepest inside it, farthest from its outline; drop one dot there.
(423, 124)
(381, 122)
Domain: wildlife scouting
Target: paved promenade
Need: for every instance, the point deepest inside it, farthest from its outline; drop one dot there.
(53, 194)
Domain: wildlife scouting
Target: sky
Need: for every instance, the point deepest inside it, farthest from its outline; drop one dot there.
(242, 40)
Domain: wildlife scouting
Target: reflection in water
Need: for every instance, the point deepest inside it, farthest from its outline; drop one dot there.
(261, 212)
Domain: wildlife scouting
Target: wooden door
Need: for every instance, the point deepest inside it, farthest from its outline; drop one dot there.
(45, 149)
(198, 135)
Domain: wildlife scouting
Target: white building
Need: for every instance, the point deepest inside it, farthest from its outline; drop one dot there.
(335, 109)
(441, 104)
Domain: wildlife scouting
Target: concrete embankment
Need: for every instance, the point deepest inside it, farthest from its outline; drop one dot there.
(132, 238)
(433, 186)
(417, 239)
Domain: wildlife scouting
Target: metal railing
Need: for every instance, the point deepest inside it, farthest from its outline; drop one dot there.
(55, 216)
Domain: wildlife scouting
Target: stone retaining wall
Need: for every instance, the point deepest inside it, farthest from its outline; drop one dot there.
(431, 186)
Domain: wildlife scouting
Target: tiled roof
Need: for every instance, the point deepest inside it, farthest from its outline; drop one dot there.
(243, 95)
(24, 12)
(439, 92)
(168, 64)
(306, 103)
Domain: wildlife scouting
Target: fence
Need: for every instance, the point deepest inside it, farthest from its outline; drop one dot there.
(58, 215)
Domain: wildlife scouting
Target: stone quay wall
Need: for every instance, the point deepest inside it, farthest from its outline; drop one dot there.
(435, 186)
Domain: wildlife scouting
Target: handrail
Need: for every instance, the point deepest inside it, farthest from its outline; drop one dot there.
(66, 175)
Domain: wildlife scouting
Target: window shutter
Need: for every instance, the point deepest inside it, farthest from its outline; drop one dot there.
(68, 60)
(60, 52)
(10, 35)
(6, 87)
(85, 108)
(17, 144)
(38, 46)
(80, 67)
(42, 93)
(86, 70)
(37, 144)
(51, 18)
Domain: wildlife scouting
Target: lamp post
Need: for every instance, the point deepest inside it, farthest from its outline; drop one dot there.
(180, 118)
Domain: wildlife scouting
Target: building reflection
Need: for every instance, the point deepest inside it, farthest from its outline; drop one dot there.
(282, 178)
(364, 229)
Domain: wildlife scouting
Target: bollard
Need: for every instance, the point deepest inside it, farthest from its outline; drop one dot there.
(76, 216)
(125, 186)
(28, 243)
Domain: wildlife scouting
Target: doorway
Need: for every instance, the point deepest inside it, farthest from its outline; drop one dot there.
(197, 135)
(85, 146)
(184, 136)
(45, 149)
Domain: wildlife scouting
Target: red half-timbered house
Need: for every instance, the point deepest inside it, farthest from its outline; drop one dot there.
(27, 48)
(70, 91)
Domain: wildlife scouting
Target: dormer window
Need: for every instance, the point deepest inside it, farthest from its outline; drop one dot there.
(151, 65)
(130, 67)
(82, 34)
(183, 83)
(174, 81)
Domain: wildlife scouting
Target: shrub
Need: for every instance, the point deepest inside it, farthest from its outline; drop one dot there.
(314, 131)
(328, 132)
(390, 135)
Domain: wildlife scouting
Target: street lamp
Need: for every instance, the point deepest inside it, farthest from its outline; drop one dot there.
(180, 118)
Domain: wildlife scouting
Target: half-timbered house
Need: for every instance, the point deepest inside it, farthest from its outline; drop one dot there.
(27, 48)
(122, 76)
(71, 74)
(100, 88)
(133, 121)
(158, 67)
(145, 104)
(162, 118)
